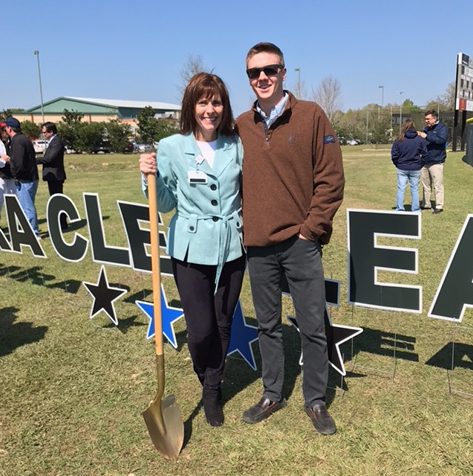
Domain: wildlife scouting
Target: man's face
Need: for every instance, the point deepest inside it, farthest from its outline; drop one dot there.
(430, 120)
(268, 83)
(9, 131)
(47, 135)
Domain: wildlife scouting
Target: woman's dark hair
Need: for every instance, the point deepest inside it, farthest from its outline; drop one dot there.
(205, 86)
(406, 125)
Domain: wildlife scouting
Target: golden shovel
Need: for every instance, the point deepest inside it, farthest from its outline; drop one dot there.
(162, 417)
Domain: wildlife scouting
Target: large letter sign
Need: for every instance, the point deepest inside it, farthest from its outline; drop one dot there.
(367, 258)
(21, 233)
(368, 254)
(455, 292)
(76, 250)
(102, 253)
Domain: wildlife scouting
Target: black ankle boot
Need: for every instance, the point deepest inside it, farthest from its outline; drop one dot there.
(211, 399)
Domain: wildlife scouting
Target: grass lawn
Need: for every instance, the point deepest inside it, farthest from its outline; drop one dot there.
(72, 389)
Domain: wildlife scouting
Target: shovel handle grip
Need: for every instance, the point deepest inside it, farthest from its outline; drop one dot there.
(155, 263)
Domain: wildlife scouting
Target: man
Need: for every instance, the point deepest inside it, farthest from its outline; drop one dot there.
(24, 170)
(292, 187)
(436, 134)
(7, 184)
(53, 163)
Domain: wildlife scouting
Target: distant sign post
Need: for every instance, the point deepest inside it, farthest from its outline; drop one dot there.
(463, 97)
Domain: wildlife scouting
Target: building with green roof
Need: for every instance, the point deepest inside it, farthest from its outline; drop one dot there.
(97, 110)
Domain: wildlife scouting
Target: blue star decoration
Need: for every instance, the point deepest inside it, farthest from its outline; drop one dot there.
(169, 316)
(104, 296)
(243, 335)
(336, 336)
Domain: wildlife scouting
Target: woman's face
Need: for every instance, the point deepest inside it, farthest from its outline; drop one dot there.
(208, 115)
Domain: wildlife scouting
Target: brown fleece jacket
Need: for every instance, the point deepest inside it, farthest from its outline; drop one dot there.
(292, 175)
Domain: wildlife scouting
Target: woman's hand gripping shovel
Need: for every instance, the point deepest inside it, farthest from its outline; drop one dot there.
(162, 417)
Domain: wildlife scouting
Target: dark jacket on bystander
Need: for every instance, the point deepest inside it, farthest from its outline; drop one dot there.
(409, 153)
(437, 136)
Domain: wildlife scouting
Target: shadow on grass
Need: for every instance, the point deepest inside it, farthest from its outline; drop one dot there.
(453, 355)
(14, 335)
(124, 325)
(141, 296)
(35, 276)
(188, 423)
(407, 207)
(375, 341)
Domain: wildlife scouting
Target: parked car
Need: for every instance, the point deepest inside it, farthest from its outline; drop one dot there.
(140, 148)
(129, 148)
(103, 148)
(40, 146)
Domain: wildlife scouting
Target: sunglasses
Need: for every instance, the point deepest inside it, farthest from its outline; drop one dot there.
(270, 70)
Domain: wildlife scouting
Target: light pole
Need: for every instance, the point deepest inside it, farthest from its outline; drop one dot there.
(36, 53)
(400, 112)
(298, 71)
(382, 95)
(382, 98)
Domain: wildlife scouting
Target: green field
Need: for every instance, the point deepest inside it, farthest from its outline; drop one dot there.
(72, 389)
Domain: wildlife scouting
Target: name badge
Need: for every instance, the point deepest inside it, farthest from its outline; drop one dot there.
(196, 176)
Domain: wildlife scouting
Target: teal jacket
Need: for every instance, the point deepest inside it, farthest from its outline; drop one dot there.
(207, 225)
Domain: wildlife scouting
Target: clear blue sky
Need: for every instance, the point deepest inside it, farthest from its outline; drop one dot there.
(136, 49)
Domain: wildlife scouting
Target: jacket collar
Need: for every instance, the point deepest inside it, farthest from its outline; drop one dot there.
(290, 103)
(222, 159)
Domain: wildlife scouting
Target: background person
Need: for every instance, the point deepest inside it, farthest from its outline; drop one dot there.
(292, 187)
(7, 184)
(199, 176)
(53, 163)
(436, 135)
(407, 154)
(24, 170)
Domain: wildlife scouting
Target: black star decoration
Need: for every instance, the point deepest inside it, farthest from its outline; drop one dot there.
(336, 336)
(104, 296)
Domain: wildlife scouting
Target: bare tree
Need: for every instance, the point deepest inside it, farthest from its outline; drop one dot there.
(327, 96)
(444, 102)
(193, 65)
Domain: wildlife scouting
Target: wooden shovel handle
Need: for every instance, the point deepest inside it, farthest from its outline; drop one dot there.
(155, 263)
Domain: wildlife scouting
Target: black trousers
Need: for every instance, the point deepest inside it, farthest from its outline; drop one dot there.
(300, 260)
(56, 186)
(208, 315)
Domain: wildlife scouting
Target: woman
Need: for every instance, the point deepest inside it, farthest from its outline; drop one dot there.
(407, 154)
(199, 172)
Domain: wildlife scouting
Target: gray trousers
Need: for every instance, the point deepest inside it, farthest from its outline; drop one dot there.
(301, 261)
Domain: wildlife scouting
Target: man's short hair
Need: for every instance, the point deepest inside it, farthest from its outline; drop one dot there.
(266, 47)
(50, 127)
(432, 112)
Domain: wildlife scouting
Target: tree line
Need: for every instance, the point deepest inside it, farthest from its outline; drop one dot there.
(372, 124)
(111, 136)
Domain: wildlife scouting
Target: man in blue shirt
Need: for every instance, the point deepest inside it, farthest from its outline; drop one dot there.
(436, 134)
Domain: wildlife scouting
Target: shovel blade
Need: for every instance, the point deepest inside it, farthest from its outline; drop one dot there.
(165, 426)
